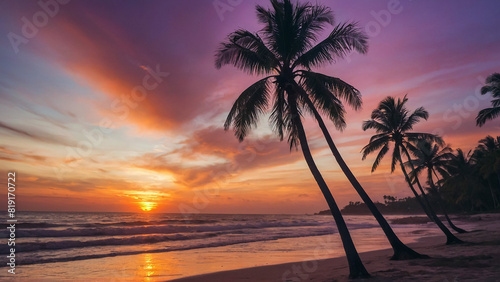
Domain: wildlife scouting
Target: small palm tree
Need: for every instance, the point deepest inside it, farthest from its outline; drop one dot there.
(430, 157)
(392, 122)
(284, 51)
(492, 86)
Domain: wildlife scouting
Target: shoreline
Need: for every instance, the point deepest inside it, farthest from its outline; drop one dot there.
(477, 259)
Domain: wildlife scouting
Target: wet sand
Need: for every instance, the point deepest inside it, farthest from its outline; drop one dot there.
(476, 260)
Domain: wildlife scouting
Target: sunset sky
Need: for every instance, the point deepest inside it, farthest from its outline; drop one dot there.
(81, 136)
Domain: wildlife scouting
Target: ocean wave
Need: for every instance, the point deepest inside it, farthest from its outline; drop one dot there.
(146, 223)
(237, 231)
(29, 225)
(162, 229)
(32, 225)
(26, 259)
(135, 240)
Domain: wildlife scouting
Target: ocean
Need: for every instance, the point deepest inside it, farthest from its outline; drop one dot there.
(77, 245)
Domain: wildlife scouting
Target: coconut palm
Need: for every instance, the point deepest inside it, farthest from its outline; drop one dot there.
(392, 122)
(492, 86)
(283, 50)
(431, 157)
(487, 158)
(464, 185)
(327, 92)
(332, 86)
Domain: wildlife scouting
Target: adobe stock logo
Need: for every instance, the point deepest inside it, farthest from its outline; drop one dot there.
(31, 27)
(223, 6)
(383, 18)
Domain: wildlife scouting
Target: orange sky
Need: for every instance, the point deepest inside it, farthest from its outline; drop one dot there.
(118, 107)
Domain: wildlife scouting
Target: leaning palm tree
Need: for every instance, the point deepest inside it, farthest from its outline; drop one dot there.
(283, 50)
(430, 157)
(492, 86)
(316, 91)
(332, 86)
(392, 122)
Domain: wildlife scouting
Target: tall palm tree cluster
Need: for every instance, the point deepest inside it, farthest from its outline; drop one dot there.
(471, 181)
(283, 53)
(393, 124)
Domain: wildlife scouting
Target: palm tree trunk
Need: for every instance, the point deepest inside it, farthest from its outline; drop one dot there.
(356, 267)
(495, 202)
(401, 251)
(443, 206)
(495, 198)
(450, 238)
(417, 196)
(498, 176)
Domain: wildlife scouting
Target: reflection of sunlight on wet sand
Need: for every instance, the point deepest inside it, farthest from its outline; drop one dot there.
(156, 267)
(149, 267)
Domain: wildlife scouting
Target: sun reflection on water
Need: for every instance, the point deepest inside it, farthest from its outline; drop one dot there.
(149, 267)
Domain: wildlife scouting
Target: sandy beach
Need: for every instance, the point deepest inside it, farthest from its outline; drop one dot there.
(476, 260)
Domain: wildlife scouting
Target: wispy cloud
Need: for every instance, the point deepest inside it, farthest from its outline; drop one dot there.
(36, 135)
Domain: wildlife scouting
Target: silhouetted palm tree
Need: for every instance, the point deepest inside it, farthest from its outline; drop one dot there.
(285, 53)
(487, 159)
(464, 184)
(430, 157)
(337, 87)
(493, 87)
(392, 122)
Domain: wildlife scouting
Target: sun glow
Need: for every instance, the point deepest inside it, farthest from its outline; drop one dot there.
(147, 200)
(148, 206)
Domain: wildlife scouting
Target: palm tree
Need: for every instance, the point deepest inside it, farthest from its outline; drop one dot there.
(392, 122)
(487, 158)
(336, 87)
(431, 157)
(464, 186)
(492, 86)
(283, 50)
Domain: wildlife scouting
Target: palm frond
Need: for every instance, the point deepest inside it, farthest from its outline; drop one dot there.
(414, 118)
(278, 30)
(487, 114)
(380, 156)
(373, 124)
(310, 21)
(493, 85)
(337, 86)
(414, 150)
(396, 157)
(246, 109)
(323, 99)
(246, 51)
(374, 145)
(344, 39)
(416, 136)
(279, 118)
(292, 127)
(442, 171)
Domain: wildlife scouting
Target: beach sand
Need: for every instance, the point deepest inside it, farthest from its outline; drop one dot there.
(476, 260)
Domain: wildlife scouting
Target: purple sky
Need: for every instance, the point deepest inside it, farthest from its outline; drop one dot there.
(71, 77)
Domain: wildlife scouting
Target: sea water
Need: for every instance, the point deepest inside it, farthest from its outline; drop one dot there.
(75, 245)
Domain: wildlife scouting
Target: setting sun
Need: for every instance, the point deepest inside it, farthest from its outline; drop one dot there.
(148, 206)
